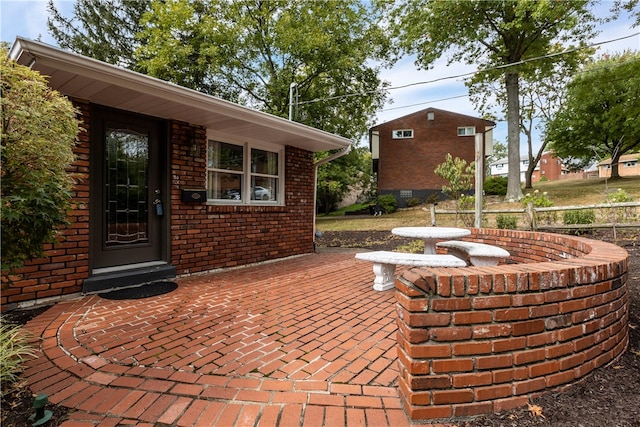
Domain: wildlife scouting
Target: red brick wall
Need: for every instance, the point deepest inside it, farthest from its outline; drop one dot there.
(65, 264)
(206, 237)
(482, 339)
(408, 164)
(202, 237)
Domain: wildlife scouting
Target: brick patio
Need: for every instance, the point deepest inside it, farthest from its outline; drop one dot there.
(300, 342)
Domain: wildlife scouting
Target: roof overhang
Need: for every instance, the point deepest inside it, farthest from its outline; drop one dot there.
(97, 82)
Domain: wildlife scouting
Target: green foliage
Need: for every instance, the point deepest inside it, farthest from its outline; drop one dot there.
(491, 35)
(458, 174)
(506, 222)
(599, 115)
(388, 203)
(338, 177)
(620, 196)
(467, 203)
(414, 201)
(496, 185)
(252, 51)
(582, 216)
(101, 29)
(538, 199)
(14, 349)
(39, 128)
(621, 214)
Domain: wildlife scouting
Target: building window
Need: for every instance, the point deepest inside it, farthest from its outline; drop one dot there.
(234, 177)
(466, 131)
(402, 133)
(406, 194)
(631, 164)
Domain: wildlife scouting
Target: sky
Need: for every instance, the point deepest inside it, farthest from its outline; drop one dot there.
(27, 18)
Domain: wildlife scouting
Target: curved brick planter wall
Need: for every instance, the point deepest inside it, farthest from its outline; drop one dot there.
(481, 339)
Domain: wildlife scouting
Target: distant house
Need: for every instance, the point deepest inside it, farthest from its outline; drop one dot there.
(170, 181)
(407, 150)
(627, 166)
(549, 168)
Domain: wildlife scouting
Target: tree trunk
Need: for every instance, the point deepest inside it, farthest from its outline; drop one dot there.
(514, 190)
(615, 164)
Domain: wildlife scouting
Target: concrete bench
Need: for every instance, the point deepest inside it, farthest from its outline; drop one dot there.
(384, 264)
(479, 254)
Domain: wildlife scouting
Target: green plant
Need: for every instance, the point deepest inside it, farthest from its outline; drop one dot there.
(620, 196)
(496, 186)
(579, 217)
(506, 222)
(14, 348)
(388, 203)
(540, 200)
(414, 201)
(466, 203)
(38, 131)
(621, 214)
(458, 174)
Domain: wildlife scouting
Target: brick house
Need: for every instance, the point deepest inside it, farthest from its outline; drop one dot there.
(549, 166)
(170, 182)
(407, 150)
(628, 165)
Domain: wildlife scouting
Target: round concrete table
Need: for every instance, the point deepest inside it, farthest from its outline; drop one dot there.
(431, 234)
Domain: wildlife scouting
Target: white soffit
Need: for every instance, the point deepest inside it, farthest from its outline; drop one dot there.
(105, 84)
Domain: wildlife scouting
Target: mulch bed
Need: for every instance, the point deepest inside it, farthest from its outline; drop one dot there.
(610, 396)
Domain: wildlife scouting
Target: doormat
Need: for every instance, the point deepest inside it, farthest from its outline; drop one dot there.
(139, 292)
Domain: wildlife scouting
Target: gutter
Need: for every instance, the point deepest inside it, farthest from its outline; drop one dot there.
(346, 150)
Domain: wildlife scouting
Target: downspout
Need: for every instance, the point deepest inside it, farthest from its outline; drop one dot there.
(316, 165)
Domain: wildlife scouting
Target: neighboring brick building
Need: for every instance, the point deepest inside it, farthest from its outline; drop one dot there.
(169, 181)
(407, 150)
(550, 167)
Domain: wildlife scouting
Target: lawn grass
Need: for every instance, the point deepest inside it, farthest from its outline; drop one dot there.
(561, 193)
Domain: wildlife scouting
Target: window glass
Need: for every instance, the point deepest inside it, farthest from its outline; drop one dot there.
(225, 186)
(264, 162)
(466, 131)
(264, 175)
(225, 156)
(264, 188)
(235, 179)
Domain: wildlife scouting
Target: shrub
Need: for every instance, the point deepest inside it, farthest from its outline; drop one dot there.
(586, 216)
(458, 174)
(506, 222)
(496, 186)
(619, 196)
(39, 129)
(467, 203)
(14, 348)
(388, 203)
(414, 201)
(540, 200)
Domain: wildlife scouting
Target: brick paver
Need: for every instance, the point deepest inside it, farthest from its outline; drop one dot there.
(301, 341)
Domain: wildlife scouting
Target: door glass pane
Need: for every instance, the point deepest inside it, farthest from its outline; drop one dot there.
(127, 212)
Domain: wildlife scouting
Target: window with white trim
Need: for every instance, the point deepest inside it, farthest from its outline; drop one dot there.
(466, 131)
(402, 133)
(243, 173)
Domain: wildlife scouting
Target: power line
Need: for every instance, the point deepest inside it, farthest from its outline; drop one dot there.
(470, 73)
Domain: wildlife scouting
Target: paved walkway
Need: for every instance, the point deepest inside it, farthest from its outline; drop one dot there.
(300, 342)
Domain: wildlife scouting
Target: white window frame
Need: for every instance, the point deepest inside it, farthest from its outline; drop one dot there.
(402, 133)
(247, 173)
(466, 131)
